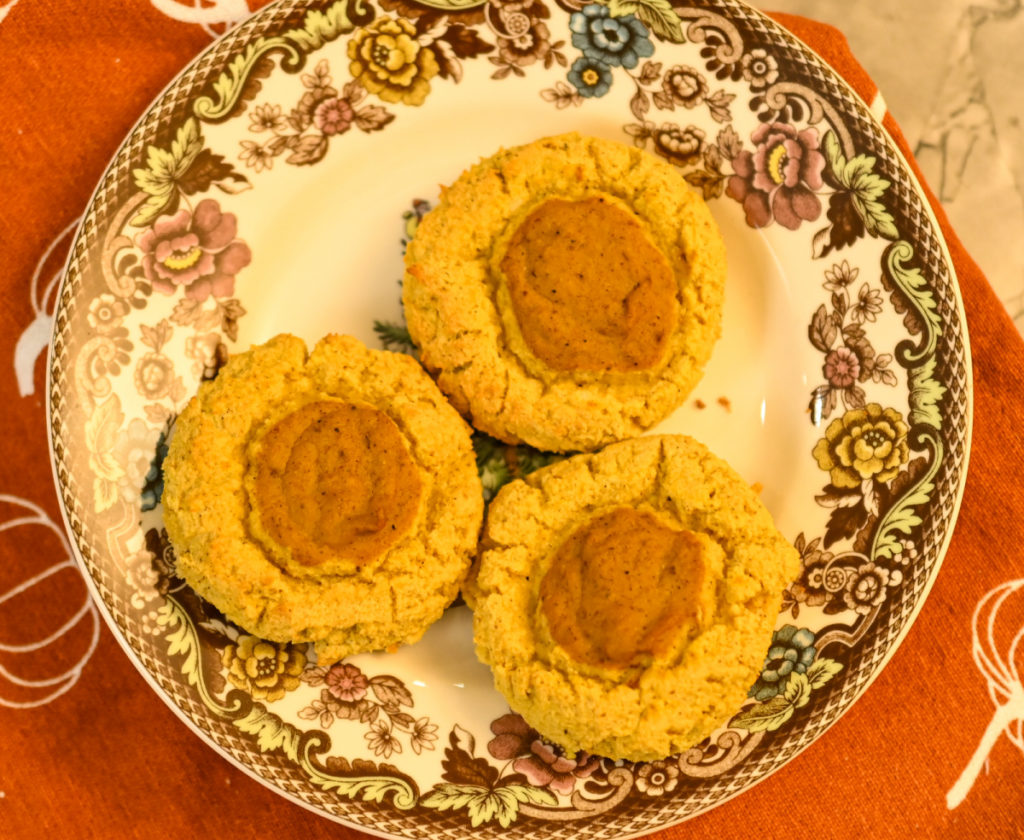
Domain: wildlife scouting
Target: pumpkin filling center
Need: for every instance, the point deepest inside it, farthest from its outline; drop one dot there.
(334, 479)
(625, 588)
(589, 288)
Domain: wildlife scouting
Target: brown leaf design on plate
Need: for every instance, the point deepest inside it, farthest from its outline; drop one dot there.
(563, 95)
(650, 71)
(448, 64)
(639, 104)
(821, 242)
(340, 766)
(156, 337)
(640, 132)
(713, 159)
(353, 92)
(231, 311)
(350, 711)
(844, 522)
(312, 713)
(462, 768)
(390, 690)
(424, 22)
(885, 377)
(465, 42)
(904, 480)
(822, 330)
(865, 535)
(521, 779)
(373, 118)
(208, 169)
(555, 56)
(308, 149)
(211, 664)
(854, 397)
(900, 303)
(710, 184)
(853, 333)
(300, 119)
(832, 496)
(503, 70)
(261, 70)
(402, 720)
(822, 404)
(664, 101)
(277, 144)
(320, 76)
(846, 228)
(729, 143)
(718, 104)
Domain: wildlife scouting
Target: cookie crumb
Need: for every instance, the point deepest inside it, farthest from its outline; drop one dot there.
(724, 402)
(700, 404)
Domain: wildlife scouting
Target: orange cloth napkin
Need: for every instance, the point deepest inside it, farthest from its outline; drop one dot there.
(104, 757)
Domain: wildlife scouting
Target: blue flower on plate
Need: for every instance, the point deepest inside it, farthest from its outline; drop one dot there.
(615, 41)
(590, 76)
(792, 651)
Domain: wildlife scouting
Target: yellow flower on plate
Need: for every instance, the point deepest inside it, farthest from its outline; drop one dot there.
(389, 61)
(867, 443)
(266, 670)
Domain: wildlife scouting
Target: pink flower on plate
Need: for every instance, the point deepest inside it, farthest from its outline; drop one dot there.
(541, 763)
(842, 367)
(513, 737)
(346, 682)
(778, 179)
(333, 116)
(545, 766)
(196, 250)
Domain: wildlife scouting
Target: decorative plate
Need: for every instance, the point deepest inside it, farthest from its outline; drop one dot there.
(272, 188)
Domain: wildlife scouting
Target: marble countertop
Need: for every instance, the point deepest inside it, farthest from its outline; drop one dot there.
(951, 75)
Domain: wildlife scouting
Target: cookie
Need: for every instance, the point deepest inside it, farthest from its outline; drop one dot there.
(625, 599)
(566, 293)
(329, 497)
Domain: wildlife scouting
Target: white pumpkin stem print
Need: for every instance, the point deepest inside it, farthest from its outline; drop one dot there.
(999, 667)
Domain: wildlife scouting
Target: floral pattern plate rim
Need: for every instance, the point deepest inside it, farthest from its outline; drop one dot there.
(232, 212)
